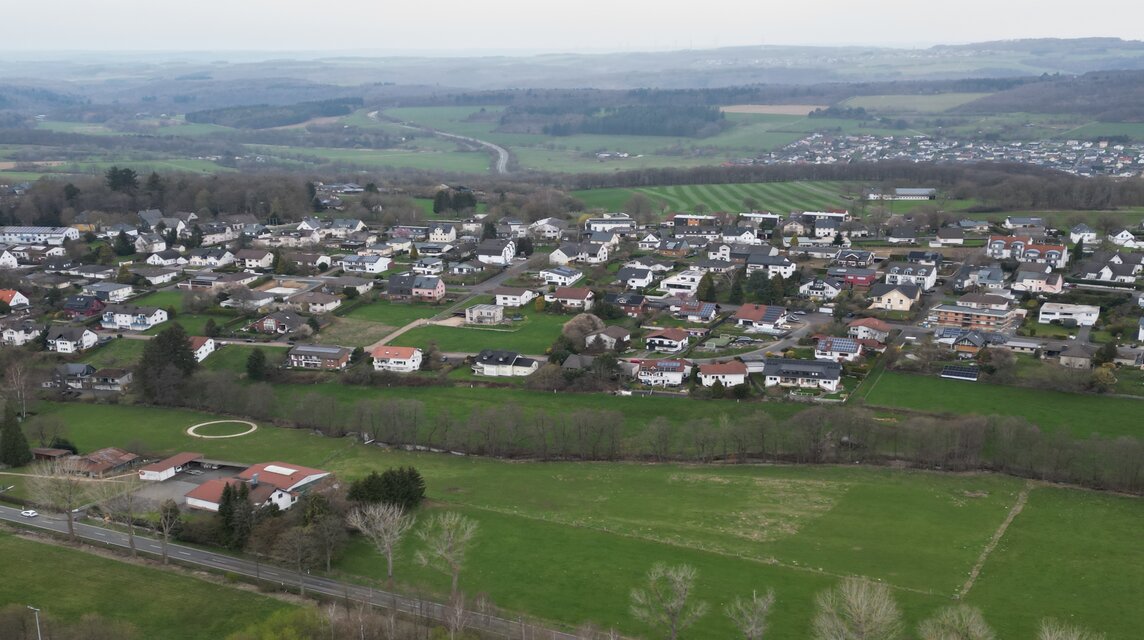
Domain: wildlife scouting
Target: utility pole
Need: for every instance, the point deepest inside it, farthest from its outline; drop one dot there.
(37, 614)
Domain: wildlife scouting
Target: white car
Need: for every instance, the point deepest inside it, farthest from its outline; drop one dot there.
(28, 513)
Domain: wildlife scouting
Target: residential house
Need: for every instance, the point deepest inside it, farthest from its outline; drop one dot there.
(372, 265)
(484, 314)
(83, 306)
(8, 260)
(315, 356)
(63, 339)
(255, 259)
(52, 236)
(247, 299)
(548, 228)
(929, 258)
(14, 299)
(655, 266)
(978, 317)
(714, 266)
(608, 339)
(730, 374)
(513, 296)
(202, 347)
(580, 298)
(560, 276)
(760, 317)
(215, 233)
(315, 261)
(150, 243)
(1023, 222)
(649, 242)
(950, 237)
(108, 291)
(837, 349)
(893, 297)
(821, 288)
(697, 311)
(1077, 356)
(279, 323)
(75, 376)
(211, 257)
(853, 276)
(684, 282)
(741, 235)
(868, 329)
(466, 268)
(669, 340)
(20, 332)
(633, 278)
(802, 374)
(774, 266)
(614, 222)
(128, 317)
(314, 302)
(496, 251)
(1069, 314)
(920, 275)
(1036, 280)
(155, 276)
(632, 304)
(166, 258)
(671, 372)
(903, 234)
(854, 258)
(443, 233)
(339, 285)
(1025, 249)
(511, 228)
(496, 363)
(279, 484)
(979, 277)
(396, 359)
(412, 286)
(674, 248)
(1124, 238)
(1083, 233)
(429, 266)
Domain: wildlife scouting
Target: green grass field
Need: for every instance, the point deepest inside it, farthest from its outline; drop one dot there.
(567, 541)
(779, 197)
(65, 584)
(123, 353)
(531, 336)
(232, 357)
(1132, 130)
(392, 313)
(1081, 415)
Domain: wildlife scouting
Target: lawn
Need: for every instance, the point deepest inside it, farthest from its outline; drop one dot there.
(158, 603)
(193, 324)
(352, 332)
(567, 541)
(780, 197)
(232, 357)
(394, 314)
(1081, 415)
(121, 353)
(531, 336)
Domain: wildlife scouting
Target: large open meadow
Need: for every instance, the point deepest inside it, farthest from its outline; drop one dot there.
(66, 584)
(567, 541)
(779, 197)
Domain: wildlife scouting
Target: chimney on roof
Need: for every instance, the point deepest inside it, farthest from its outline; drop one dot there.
(254, 480)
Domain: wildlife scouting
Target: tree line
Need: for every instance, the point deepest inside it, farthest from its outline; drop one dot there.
(265, 116)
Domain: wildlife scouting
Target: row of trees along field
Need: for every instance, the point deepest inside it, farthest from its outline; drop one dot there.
(814, 435)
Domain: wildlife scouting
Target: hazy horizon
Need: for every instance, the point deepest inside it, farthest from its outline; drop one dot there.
(355, 27)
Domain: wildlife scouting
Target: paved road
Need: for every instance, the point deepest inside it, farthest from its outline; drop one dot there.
(501, 165)
(271, 573)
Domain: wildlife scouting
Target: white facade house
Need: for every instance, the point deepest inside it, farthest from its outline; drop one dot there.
(442, 233)
(920, 275)
(365, 264)
(166, 469)
(1083, 233)
(108, 291)
(496, 251)
(1082, 314)
(686, 282)
(202, 347)
(561, 276)
(774, 265)
(663, 373)
(396, 359)
(8, 260)
(71, 339)
(54, 236)
(802, 374)
(837, 349)
(729, 373)
(126, 317)
(513, 296)
(495, 363)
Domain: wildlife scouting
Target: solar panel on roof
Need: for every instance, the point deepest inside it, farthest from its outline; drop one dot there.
(961, 372)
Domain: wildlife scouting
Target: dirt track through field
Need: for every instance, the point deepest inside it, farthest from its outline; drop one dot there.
(1018, 506)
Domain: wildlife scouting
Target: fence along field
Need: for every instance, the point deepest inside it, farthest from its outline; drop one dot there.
(599, 526)
(779, 197)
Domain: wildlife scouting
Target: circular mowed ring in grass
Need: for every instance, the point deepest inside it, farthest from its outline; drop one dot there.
(222, 432)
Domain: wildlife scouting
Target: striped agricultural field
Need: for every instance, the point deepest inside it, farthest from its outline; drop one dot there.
(780, 197)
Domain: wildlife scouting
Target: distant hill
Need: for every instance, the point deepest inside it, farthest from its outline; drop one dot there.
(1108, 96)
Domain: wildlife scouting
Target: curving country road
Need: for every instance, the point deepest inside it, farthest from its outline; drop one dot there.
(500, 627)
(501, 165)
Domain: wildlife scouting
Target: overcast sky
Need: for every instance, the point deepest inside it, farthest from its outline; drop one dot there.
(579, 25)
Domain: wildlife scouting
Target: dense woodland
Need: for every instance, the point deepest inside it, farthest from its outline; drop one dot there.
(267, 116)
(1109, 96)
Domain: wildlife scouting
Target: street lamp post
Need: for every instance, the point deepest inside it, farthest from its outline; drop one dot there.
(37, 614)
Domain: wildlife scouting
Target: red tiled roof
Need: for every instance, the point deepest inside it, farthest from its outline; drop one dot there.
(280, 474)
(197, 342)
(734, 367)
(177, 460)
(573, 293)
(676, 335)
(872, 323)
(6, 295)
(386, 352)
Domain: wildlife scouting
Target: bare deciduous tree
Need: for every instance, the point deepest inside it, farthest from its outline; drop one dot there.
(119, 499)
(170, 519)
(447, 537)
(857, 609)
(19, 384)
(663, 603)
(956, 623)
(456, 616)
(750, 615)
(1053, 630)
(59, 484)
(385, 525)
(296, 548)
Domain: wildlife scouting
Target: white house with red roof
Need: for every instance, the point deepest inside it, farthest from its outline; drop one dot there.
(13, 298)
(202, 347)
(663, 373)
(729, 373)
(396, 359)
(868, 329)
(277, 483)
